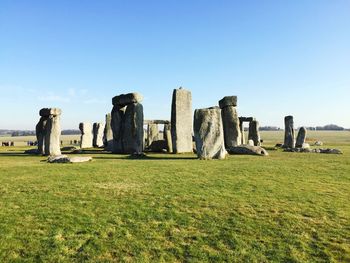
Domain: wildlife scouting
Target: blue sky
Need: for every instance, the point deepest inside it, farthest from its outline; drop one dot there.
(278, 57)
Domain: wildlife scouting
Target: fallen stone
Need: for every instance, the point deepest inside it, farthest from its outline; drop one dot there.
(32, 151)
(248, 149)
(68, 149)
(318, 143)
(66, 159)
(209, 134)
(158, 146)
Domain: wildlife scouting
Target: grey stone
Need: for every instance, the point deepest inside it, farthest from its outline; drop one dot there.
(117, 124)
(98, 130)
(158, 146)
(301, 137)
(46, 112)
(248, 149)
(289, 136)
(152, 133)
(79, 159)
(209, 134)
(53, 133)
(254, 133)
(232, 131)
(318, 143)
(40, 131)
(181, 121)
(108, 133)
(132, 132)
(251, 143)
(167, 137)
(126, 99)
(66, 159)
(86, 135)
(228, 101)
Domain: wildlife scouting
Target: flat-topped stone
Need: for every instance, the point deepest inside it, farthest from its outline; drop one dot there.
(46, 112)
(228, 101)
(126, 99)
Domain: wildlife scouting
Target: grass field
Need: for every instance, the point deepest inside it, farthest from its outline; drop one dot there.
(287, 207)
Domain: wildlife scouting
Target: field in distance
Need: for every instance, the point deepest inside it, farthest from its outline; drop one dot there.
(287, 207)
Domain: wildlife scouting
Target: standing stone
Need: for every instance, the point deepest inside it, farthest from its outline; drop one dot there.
(289, 136)
(209, 134)
(241, 128)
(108, 134)
(231, 124)
(181, 121)
(86, 135)
(117, 124)
(301, 138)
(98, 129)
(254, 133)
(40, 131)
(132, 134)
(152, 133)
(167, 137)
(53, 131)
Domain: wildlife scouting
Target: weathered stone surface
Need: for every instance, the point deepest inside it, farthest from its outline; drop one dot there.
(132, 133)
(254, 133)
(248, 149)
(117, 124)
(98, 129)
(53, 135)
(241, 128)
(167, 137)
(152, 133)
(46, 112)
(86, 135)
(209, 134)
(301, 137)
(228, 101)
(40, 131)
(158, 146)
(181, 121)
(108, 133)
(126, 99)
(309, 150)
(232, 131)
(68, 149)
(66, 159)
(289, 136)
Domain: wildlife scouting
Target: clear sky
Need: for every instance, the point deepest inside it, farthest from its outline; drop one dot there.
(278, 57)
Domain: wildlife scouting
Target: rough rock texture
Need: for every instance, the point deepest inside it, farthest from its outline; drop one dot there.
(152, 133)
(232, 131)
(228, 101)
(181, 121)
(167, 137)
(40, 131)
(132, 132)
(301, 137)
(158, 146)
(108, 133)
(209, 134)
(66, 159)
(126, 99)
(98, 130)
(254, 133)
(248, 149)
(52, 131)
(117, 124)
(86, 135)
(289, 136)
(309, 150)
(241, 128)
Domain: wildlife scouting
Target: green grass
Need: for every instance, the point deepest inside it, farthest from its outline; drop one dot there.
(288, 207)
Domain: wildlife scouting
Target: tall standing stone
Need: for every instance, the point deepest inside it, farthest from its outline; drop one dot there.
(209, 133)
(232, 130)
(86, 135)
(127, 123)
(167, 137)
(48, 131)
(108, 133)
(254, 133)
(301, 137)
(181, 121)
(98, 129)
(289, 136)
(152, 133)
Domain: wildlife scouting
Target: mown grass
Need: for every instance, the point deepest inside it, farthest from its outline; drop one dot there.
(288, 207)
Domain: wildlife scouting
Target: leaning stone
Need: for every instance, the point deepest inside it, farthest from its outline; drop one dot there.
(289, 137)
(181, 121)
(248, 149)
(126, 99)
(301, 137)
(228, 101)
(209, 134)
(86, 137)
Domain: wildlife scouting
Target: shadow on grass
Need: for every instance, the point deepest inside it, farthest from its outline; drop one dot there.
(144, 158)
